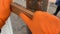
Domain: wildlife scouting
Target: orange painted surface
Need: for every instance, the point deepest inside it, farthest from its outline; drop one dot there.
(42, 23)
(4, 11)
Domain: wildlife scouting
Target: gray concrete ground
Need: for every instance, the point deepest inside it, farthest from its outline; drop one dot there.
(19, 27)
(52, 8)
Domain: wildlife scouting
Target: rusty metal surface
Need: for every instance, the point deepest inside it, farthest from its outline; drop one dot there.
(37, 5)
(16, 7)
(18, 25)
